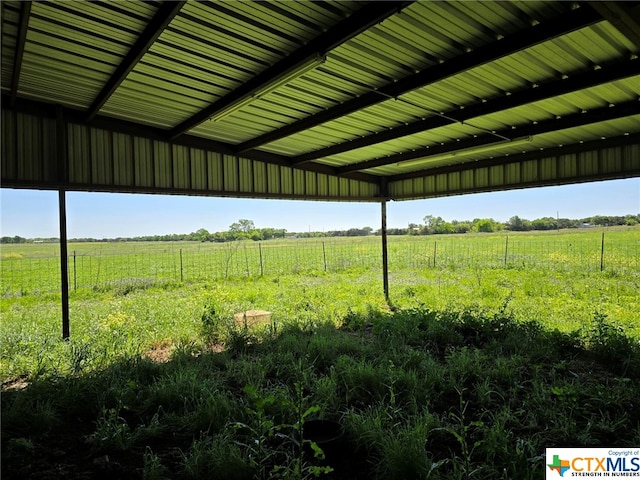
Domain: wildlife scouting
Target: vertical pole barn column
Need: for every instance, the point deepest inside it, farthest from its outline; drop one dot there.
(61, 140)
(385, 257)
(64, 256)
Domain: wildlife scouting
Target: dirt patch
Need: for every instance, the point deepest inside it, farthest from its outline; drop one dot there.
(17, 384)
(159, 353)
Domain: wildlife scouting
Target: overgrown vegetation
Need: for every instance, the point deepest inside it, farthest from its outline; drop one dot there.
(471, 373)
(418, 394)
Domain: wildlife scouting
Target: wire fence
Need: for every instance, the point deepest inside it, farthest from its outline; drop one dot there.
(124, 267)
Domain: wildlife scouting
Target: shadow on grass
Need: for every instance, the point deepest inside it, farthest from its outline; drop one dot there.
(418, 393)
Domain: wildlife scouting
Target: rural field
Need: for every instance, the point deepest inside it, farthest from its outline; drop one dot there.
(494, 348)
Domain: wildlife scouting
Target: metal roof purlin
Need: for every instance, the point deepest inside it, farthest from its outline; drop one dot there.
(573, 83)
(25, 11)
(361, 20)
(563, 24)
(577, 119)
(162, 18)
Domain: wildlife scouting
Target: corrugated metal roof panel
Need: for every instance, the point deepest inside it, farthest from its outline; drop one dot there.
(10, 19)
(208, 50)
(73, 47)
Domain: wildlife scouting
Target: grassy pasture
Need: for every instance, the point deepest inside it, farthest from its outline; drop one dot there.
(477, 368)
(34, 268)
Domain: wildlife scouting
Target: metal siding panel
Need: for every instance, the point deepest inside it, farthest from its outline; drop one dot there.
(567, 166)
(611, 160)
(49, 150)
(547, 168)
(454, 181)
(588, 163)
(29, 147)
(298, 182)
(311, 183)
(9, 147)
(78, 151)
(496, 175)
(286, 187)
(512, 173)
(230, 169)
(198, 169)
(430, 184)
(122, 159)
(441, 183)
(333, 186)
(245, 180)
(216, 171)
(101, 157)
(529, 171)
(323, 185)
(417, 185)
(631, 157)
(143, 162)
(482, 177)
(467, 179)
(343, 187)
(260, 177)
(273, 180)
(162, 161)
(180, 167)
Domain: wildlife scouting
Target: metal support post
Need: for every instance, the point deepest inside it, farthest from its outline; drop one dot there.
(385, 257)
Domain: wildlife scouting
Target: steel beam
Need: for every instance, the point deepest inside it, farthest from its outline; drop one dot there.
(25, 11)
(162, 18)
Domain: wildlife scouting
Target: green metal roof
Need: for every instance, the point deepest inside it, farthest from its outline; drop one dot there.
(401, 99)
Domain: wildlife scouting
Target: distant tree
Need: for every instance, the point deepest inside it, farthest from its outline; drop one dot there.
(461, 227)
(518, 224)
(14, 239)
(242, 225)
(485, 225)
(202, 235)
(544, 223)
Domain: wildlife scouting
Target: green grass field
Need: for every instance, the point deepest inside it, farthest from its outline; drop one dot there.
(482, 361)
(34, 268)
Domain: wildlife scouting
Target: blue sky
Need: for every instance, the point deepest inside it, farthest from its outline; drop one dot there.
(31, 213)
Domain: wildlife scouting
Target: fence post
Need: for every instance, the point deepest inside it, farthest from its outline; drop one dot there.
(75, 278)
(602, 253)
(246, 259)
(506, 249)
(181, 270)
(261, 265)
(324, 256)
(435, 249)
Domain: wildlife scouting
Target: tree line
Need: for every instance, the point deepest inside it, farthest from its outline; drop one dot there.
(245, 229)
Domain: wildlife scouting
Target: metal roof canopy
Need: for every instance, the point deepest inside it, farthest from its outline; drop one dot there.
(318, 100)
(342, 100)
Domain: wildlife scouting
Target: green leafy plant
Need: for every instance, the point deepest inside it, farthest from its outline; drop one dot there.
(277, 450)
